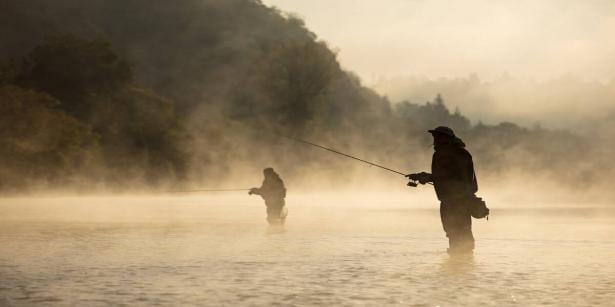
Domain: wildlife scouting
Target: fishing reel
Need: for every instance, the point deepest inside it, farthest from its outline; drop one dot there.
(412, 183)
(413, 180)
(419, 178)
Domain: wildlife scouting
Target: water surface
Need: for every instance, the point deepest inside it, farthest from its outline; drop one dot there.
(219, 251)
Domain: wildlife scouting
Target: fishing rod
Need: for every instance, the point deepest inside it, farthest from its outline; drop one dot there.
(346, 155)
(411, 183)
(208, 190)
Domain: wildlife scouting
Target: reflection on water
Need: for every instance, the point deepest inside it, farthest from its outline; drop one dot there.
(275, 229)
(221, 252)
(458, 264)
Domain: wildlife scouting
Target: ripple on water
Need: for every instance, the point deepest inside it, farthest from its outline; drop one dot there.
(213, 263)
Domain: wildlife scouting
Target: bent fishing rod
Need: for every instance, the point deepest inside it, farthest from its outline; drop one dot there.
(411, 183)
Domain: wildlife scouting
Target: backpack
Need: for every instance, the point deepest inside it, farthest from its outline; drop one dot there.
(478, 207)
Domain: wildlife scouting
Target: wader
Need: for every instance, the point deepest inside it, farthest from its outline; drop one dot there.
(276, 211)
(457, 224)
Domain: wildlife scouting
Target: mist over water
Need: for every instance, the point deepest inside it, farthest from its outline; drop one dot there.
(111, 112)
(334, 250)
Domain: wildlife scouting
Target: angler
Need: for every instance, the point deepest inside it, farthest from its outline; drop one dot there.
(455, 183)
(454, 179)
(273, 192)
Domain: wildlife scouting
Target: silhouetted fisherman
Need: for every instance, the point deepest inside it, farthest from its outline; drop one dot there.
(273, 192)
(453, 177)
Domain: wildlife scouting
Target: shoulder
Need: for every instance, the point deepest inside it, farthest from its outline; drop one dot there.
(464, 152)
(444, 158)
(452, 155)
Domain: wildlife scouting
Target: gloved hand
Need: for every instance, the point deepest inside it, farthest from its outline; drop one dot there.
(412, 182)
(413, 176)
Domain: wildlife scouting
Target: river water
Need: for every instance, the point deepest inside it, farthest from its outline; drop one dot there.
(100, 251)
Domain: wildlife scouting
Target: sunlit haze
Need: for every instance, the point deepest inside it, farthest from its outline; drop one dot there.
(307, 153)
(528, 39)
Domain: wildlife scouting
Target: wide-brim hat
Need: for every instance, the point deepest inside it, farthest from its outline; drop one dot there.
(442, 130)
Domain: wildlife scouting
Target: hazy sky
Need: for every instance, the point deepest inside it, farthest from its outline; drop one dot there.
(525, 38)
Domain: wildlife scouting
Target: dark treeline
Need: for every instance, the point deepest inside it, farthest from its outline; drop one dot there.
(565, 102)
(123, 93)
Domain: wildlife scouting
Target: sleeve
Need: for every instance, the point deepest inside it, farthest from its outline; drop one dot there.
(472, 174)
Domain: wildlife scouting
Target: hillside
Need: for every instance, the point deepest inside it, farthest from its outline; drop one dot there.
(131, 93)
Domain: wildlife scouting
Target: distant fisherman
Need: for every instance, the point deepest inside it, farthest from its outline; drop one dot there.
(273, 192)
(453, 177)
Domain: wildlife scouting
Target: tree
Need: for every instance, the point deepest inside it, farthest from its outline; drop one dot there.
(40, 144)
(295, 78)
(73, 70)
